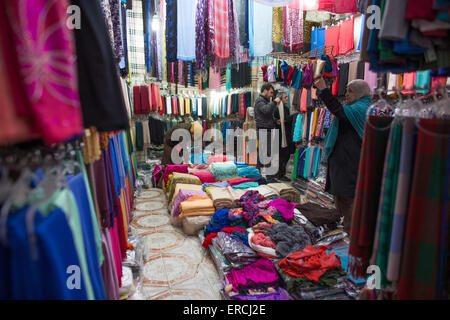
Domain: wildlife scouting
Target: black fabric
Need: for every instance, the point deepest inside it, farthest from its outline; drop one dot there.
(360, 70)
(171, 31)
(318, 215)
(343, 162)
(156, 131)
(124, 70)
(102, 102)
(240, 75)
(204, 108)
(343, 78)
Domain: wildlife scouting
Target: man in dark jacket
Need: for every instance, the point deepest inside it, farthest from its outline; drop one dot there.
(264, 110)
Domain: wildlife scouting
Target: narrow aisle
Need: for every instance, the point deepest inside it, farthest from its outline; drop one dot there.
(176, 266)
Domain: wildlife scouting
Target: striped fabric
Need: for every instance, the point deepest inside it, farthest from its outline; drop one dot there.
(136, 44)
(221, 26)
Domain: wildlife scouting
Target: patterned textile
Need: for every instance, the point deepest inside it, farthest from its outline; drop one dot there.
(221, 24)
(210, 38)
(249, 202)
(234, 32)
(107, 13)
(429, 194)
(277, 25)
(293, 29)
(136, 44)
(147, 23)
(367, 195)
(115, 17)
(124, 64)
(200, 34)
(171, 30)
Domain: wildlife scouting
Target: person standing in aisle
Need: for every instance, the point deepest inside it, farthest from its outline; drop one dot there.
(343, 142)
(285, 152)
(264, 116)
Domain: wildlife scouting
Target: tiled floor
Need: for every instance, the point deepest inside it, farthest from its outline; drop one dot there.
(176, 266)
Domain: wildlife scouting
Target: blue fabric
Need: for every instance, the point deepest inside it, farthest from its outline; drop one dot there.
(298, 129)
(115, 167)
(199, 158)
(405, 47)
(305, 168)
(240, 236)
(218, 184)
(240, 164)
(218, 221)
(248, 171)
(301, 161)
(356, 114)
(423, 80)
(148, 34)
(297, 78)
(46, 277)
(78, 188)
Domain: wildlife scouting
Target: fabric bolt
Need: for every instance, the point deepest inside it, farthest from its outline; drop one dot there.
(183, 194)
(221, 198)
(197, 206)
(367, 194)
(332, 39)
(419, 271)
(170, 168)
(181, 178)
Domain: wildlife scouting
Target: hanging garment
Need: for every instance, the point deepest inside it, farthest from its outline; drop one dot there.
(171, 30)
(46, 48)
(221, 31)
(346, 39)
(345, 6)
(260, 29)
(332, 39)
(293, 29)
(101, 98)
(135, 38)
(186, 10)
(395, 26)
(277, 25)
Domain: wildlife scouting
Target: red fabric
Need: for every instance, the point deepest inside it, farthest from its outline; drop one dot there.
(163, 106)
(439, 81)
(346, 40)
(151, 98)
(409, 79)
(174, 105)
(335, 87)
(313, 5)
(289, 77)
(311, 262)
(145, 103)
(208, 240)
(217, 158)
(420, 9)
(221, 29)
(345, 6)
(170, 168)
(435, 33)
(235, 182)
(137, 99)
(205, 177)
(326, 5)
(332, 38)
(242, 109)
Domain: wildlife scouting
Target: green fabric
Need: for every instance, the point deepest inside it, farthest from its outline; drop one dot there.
(388, 204)
(294, 173)
(139, 136)
(246, 185)
(66, 202)
(228, 77)
(356, 114)
(97, 236)
(305, 168)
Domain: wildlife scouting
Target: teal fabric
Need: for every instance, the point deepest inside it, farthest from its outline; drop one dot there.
(423, 80)
(298, 129)
(248, 171)
(356, 114)
(305, 169)
(246, 185)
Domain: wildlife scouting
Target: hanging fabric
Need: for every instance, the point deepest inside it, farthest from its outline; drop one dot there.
(293, 29)
(186, 11)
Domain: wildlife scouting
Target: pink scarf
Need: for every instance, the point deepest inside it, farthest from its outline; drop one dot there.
(293, 29)
(46, 55)
(221, 29)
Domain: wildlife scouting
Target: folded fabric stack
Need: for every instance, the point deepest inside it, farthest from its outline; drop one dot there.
(316, 193)
(170, 168)
(266, 192)
(301, 185)
(224, 170)
(236, 181)
(217, 158)
(237, 254)
(179, 186)
(260, 275)
(286, 192)
(236, 194)
(182, 195)
(205, 177)
(183, 178)
(288, 239)
(200, 168)
(248, 171)
(260, 179)
(240, 164)
(221, 197)
(312, 268)
(197, 206)
(279, 294)
(216, 185)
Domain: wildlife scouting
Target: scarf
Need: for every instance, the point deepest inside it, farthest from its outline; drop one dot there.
(200, 34)
(171, 30)
(356, 114)
(293, 29)
(221, 24)
(283, 125)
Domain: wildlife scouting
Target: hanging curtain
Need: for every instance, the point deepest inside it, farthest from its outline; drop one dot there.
(293, 29)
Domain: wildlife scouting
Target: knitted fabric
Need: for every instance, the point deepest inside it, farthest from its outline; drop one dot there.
(249, 202)
(288, 239)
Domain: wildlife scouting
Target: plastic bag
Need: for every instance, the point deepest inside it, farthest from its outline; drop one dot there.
(192, 225)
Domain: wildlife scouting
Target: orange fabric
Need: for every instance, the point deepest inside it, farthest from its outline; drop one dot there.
(311, 262)
(303, 107)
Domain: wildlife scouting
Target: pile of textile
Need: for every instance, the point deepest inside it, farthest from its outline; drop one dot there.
(249, 203)
(248, 171)
(182, 195)
(315, 193)
(235, 251)
(262, 245)
(313, 274)
(286, 192)
(221, 197)
(238, 181)
(171, 168)
(218, 221)
(327, 219)
(223, 184)
(197, 206)
(288, 239)
(179, 186)
(224, 170)
(205, 177)
(218, 158)
(181, 178)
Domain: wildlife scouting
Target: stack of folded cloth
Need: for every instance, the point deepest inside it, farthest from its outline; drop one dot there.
(183, 178)
(199, 168)
(300, 185)
(221, 197)
(248, 171)
(235, 251)
(266, 191)
(286, 192)
(312, 273)
(170, 168)
(236, 194)
(215, 185)
(217, 158)
(180, 186)
(224, 170)
(184, 194)
(205, 177)
(240, 164)
(245, 185)
(235, 181)
(197, 206)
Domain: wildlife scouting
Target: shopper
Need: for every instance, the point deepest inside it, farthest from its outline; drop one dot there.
(264, 116)
(193, 127)
(343, 142)
(285, 151)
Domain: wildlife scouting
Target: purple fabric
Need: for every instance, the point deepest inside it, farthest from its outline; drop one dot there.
(156, 175)
(285, 208)
(183, 195)
(233, 32)
(307, 75)
(261, 274)
(280, 294)
(335, 70)
(249, 203)
(170, 168)
(200, 34)
(210, 41)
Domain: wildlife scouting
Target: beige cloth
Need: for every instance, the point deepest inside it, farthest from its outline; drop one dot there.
(283, 127)
(221, 198)
(265, 191)
(286, 192)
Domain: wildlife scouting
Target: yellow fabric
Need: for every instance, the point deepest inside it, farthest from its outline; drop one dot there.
(197, 206)
(277, 25)
(180, 186)
(316, 115)
(169, 183)
(187, 105)
(124, 212)
(196, 129)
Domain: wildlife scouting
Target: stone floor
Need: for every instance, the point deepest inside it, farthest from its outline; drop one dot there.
(176, 266)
